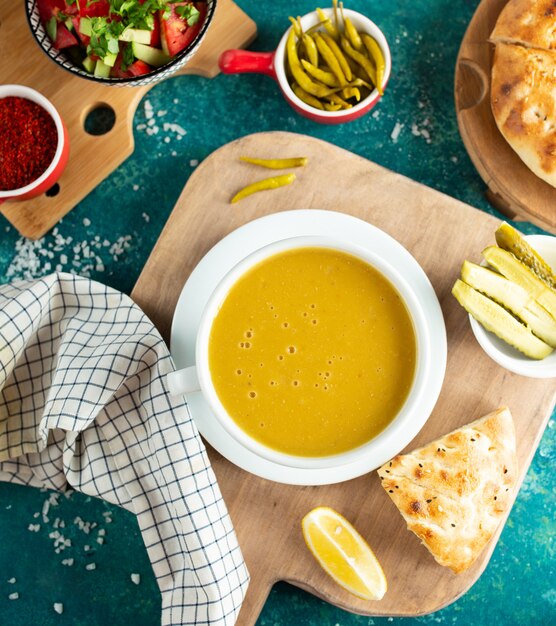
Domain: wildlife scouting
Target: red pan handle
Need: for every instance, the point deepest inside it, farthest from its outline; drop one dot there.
(246, 62)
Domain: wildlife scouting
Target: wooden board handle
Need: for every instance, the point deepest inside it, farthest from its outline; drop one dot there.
(471, 84)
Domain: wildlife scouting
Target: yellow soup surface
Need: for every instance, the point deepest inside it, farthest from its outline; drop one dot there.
(312, 352)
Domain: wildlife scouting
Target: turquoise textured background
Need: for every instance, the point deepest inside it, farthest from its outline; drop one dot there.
(109, 236)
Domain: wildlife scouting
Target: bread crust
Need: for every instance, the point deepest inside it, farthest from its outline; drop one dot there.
(530, 23)
(523, 85)
(454, 492)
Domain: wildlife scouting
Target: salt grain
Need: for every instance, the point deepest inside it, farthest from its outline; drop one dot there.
(90, 566)
(194, 162)
(13, 596)
(34, 528)
(396, 132)
(148, 109)
(68, 562)
(12, 581)
(135, 579)
(59, 607)
(34, 259)
(86, 221)
(136, 187)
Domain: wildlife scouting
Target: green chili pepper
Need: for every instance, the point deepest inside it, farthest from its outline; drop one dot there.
(295, 26)
(299, 74)
(351, 31)
(359, 58)
(351, 92)
(327, 23)
(338, 54)
(277, 164)
(324, 76)
(335, 98)
(262, 185)
(306, 97)
(376, 54)
(330, 58)
(310, 49)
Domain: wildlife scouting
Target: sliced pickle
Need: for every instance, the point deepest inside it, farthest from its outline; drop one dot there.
(510, 239)
(498, 321)
(506, 263)
(512, 297)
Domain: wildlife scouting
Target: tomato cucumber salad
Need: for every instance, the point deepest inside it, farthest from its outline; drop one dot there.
(121, 38)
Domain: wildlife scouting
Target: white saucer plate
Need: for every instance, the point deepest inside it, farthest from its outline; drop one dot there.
(232, 249)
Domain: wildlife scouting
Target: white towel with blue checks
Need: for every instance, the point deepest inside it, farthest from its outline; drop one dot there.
(83, 405)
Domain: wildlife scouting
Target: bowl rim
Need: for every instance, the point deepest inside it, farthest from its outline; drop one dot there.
(361, 22)
(406, 416)
(131, 80)
(23, 91)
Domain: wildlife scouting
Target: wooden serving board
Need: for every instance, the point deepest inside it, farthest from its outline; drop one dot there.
(513, 188)
(440, 232)
(23, 62)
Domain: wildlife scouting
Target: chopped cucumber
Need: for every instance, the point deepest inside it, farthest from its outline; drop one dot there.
(85, 27)
(52, 28)
(89, 64)
(69, 24)
(511, 240)
(110, 58)
(136, 34)
(148, 54)
(507, 264)
(512, 297)
(498, 321)
(102, 70)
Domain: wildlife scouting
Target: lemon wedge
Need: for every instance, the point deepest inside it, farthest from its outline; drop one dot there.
(343, 553)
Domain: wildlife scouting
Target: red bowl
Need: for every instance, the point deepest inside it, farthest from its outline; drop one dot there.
(53, 172)
(273, 64)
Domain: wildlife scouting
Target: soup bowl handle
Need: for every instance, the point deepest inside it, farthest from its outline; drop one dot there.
(183, 381)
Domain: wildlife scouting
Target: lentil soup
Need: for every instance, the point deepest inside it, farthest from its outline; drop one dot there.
(312, 352)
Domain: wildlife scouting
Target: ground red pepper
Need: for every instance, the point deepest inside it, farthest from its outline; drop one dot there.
(28, 140)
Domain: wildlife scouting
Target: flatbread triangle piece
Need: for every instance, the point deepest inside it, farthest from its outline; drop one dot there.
(530, 23)
(454, 492)
(523, 85)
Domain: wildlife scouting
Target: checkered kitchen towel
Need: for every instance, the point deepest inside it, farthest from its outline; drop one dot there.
(83, 405)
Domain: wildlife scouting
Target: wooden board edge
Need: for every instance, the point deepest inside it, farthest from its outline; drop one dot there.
(504, 200)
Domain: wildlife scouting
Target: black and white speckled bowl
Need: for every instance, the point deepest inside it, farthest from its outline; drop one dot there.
(60, 58)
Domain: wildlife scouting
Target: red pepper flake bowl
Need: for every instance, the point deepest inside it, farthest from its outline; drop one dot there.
(34, 144)
(57, 26)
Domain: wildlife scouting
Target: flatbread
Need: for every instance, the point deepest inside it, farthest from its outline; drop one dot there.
(454, 492)
(530, 23)
(523, 104)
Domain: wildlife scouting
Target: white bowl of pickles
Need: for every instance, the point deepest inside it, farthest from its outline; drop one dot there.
(511, 301)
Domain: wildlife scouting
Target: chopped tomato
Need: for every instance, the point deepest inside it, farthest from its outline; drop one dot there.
(49, 8)
(94, 8)
(117, 72)
(176, 33)
(64, 39)
(138, 68)
(155, 35)
(71, 9)
(85, 39)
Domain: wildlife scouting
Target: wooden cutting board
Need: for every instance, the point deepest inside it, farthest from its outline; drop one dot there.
(440, 232)
(513, 188)
(23, 62)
